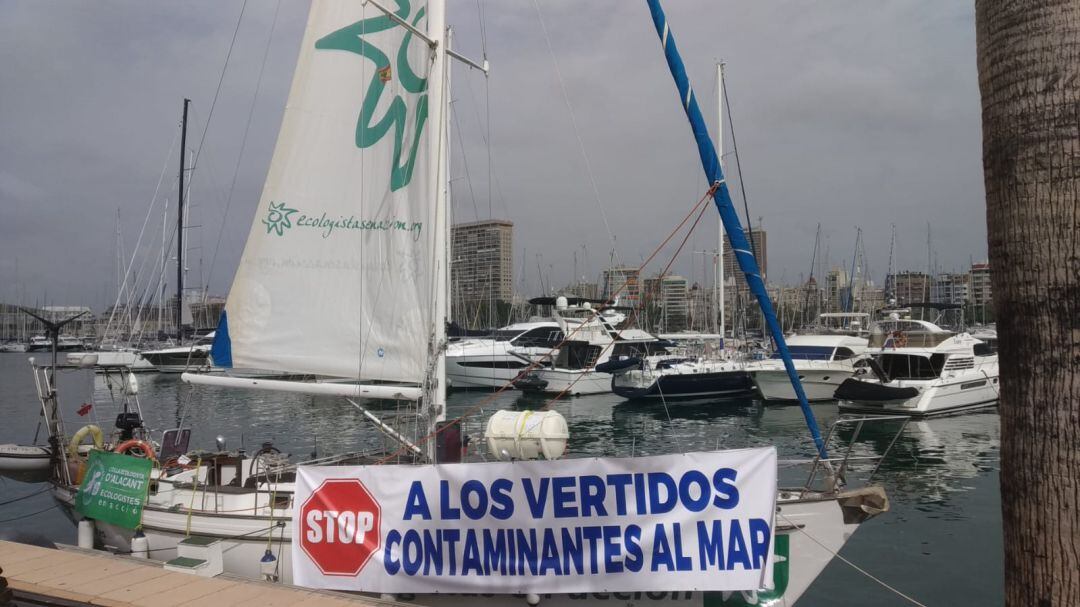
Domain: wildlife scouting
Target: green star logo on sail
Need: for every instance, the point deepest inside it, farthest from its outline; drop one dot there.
(277, 218)
(370, 130)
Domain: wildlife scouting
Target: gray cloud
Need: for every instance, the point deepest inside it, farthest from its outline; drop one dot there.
(847, 113)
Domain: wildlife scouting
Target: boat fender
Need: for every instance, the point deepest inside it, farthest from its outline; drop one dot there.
(132, 387)
(91, 429)
(140, 546)
(86, 534)
(137, 448)
(268, 566)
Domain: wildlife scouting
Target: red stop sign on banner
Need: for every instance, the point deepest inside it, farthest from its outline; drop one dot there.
(339, 526)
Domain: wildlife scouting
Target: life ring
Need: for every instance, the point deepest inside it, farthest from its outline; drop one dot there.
(899, 339)
(138, 448)
(91, 429)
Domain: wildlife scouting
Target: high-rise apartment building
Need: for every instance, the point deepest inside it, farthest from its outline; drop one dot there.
(908, 287)
(981, 292)
(674, 306)
(624, 283)
(482, 262)
(760, 247)
(951, 288)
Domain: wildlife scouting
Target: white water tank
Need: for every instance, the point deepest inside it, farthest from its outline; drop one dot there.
(527, 434)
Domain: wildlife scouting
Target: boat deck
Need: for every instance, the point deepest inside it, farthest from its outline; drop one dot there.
(71, 576)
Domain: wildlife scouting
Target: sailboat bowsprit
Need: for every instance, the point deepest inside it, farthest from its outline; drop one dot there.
(364, 137)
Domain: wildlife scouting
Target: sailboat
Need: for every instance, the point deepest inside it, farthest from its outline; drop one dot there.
(344, 276)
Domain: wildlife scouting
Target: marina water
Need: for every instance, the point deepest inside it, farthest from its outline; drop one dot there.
(940, 542)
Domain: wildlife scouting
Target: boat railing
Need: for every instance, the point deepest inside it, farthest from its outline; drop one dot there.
(833, 470)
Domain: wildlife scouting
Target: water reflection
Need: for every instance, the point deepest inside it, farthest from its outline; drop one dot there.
(930, 464)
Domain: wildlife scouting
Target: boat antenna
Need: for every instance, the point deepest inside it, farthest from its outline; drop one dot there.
(52, 329)
(722, 197)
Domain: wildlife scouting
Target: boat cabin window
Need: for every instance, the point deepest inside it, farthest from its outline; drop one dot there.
(539, 337)
(843, 354)
(641, 348)
(807, 352)
(986, 347)
(908, 366)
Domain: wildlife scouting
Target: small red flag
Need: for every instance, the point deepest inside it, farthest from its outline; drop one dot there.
(83, 410)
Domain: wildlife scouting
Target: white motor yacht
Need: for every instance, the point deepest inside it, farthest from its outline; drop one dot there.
(591, 345)
(822, 361)
(920, 369)
(486, 362)
(193, 357)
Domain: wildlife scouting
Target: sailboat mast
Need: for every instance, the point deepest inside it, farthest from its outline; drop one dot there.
(439, 163)
(719, 298)
(180, 226)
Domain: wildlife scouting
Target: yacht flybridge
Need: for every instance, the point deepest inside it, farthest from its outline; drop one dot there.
(920, 369)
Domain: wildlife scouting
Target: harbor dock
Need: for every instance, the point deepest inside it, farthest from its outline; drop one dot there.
(71, 576)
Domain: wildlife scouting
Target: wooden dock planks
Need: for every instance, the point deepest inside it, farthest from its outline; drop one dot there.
(112, 581)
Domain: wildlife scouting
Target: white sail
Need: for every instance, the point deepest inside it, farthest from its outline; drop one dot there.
(337, 273)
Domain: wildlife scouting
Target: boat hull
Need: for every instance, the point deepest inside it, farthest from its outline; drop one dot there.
(178, 360)
(636, 385)
(574, 383)
(829, 521)
(965, 392)
(818, 384)
(23, 458)
(487, 371)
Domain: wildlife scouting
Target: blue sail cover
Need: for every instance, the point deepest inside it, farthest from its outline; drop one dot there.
(743, 254)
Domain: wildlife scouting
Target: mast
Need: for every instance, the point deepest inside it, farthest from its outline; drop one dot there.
(890, 278)
(180, 227)
(438, 82)
(720, 222)
(722, 197)
(850, 304)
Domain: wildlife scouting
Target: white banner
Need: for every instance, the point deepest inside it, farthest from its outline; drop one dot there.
(694, 521)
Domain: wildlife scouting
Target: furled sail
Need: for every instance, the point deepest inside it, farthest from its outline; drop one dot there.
(337, 274)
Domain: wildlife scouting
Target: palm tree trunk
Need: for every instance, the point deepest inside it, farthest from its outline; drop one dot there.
(1029, 76)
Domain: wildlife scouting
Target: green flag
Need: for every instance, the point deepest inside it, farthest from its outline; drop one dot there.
(113, 489)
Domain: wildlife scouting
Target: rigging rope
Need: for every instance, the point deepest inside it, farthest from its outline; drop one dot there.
(243, 141)
(217, 91)
(17, 518)
(836, 555)
(577, 132)
(697, 208)
(738, 169)
(22, 497)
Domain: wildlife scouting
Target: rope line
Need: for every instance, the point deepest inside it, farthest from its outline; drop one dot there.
(18, 499)
(16, 518)
(577, 131)
(488, 400)
(802, 529)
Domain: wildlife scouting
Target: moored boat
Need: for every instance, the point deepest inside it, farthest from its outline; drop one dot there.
(390, 343)
(822, 361)
(920, 369)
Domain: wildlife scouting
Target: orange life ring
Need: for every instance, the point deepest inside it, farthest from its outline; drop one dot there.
(899, 339)
(143, 448)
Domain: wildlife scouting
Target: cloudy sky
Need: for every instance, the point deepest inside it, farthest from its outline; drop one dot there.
(848, 113)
